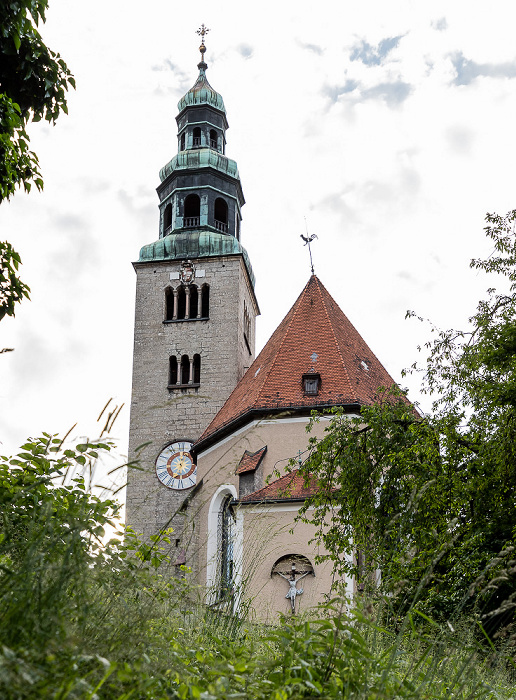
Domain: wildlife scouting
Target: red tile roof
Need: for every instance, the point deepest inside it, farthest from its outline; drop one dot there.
(289, 488)
(250, 461)
(314, 337)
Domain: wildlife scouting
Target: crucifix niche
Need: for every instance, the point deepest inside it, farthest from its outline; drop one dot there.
(293, 568)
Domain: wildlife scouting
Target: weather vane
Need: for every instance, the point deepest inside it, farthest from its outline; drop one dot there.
(202, 31)
(308, 239)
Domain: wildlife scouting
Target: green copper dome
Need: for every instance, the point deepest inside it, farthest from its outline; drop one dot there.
(200, 158)
(192, 245)
(202, 93)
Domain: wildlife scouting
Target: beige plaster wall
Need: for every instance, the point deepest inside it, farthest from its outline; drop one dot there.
(266, 527)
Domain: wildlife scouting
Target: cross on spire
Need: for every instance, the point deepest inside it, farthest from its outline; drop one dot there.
(202, 31)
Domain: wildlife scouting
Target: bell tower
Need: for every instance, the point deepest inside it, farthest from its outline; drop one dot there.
(194, 332)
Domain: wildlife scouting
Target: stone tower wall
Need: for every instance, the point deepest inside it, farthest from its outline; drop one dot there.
(160, 415)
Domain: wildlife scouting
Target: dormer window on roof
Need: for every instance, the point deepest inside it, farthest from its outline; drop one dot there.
(311, 383)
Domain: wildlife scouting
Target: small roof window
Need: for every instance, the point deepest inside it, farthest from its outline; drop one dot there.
(311, 383)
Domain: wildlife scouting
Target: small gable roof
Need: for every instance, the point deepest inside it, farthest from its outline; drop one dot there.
(292, 487)
(315, 337)
(251, 461)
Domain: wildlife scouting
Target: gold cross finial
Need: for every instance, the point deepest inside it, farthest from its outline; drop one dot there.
(202, 31)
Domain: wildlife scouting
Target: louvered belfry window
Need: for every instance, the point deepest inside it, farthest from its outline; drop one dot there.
(311, 383)
(225, 536)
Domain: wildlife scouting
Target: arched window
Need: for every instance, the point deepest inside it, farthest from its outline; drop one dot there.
(167, 219)
(183, 141)
(197, 137)
(247, 329)
(192, 211)
(214, 139)
(188, 302)
(221, 215)
(196, 369)
(181, 302)
(225, 564)
(169, 304)
(185, 370)
(205, 305)
(194, 302)
(172, 370)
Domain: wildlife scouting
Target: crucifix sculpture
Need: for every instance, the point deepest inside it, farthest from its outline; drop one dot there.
(293, 591)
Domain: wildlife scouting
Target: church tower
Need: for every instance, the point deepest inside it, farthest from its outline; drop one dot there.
(195, 313)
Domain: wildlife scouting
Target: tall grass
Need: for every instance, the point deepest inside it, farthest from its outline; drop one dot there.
(82, 618)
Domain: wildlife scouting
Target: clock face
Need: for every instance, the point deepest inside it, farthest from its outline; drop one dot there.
(175, 467)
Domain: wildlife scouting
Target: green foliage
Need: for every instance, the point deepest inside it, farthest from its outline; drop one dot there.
(33, 85)
(431, 500)
(82, 618)
(12, 289)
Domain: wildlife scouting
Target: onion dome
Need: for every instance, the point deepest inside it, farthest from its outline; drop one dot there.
(202, 92)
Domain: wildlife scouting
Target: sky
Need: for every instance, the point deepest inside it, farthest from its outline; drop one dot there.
(385, 128)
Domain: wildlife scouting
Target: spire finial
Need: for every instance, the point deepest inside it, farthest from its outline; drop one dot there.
(202, 31)
(308, 239)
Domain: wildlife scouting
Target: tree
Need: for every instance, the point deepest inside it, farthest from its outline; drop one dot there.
(33, 85)
(431, 500)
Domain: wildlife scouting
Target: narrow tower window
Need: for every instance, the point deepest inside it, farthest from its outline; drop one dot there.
(196, 369)
(185, 370)
(169, 304)
(181, 302)
(194, 301)
(247, 329)
(205, 307)
(183, 140)
(167, 219)
(221, 215)
(214, 140)
(192, 211)
(197, 137)
(172, 370)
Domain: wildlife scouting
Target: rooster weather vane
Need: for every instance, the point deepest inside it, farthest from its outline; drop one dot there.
(308, 239)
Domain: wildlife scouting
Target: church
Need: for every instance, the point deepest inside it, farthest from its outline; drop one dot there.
(212, 427)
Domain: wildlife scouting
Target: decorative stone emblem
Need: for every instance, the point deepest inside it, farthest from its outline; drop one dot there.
(187, 272)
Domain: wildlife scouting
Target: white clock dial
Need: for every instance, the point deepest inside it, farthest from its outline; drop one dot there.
(175, 467)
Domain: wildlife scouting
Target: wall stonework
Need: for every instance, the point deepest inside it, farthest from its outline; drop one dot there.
(160, 415)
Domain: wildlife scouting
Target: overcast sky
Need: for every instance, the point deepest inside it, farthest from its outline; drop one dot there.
(388, 125)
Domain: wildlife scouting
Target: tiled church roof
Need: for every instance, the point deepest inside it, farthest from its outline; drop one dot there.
(315, 337)
(291, 487)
